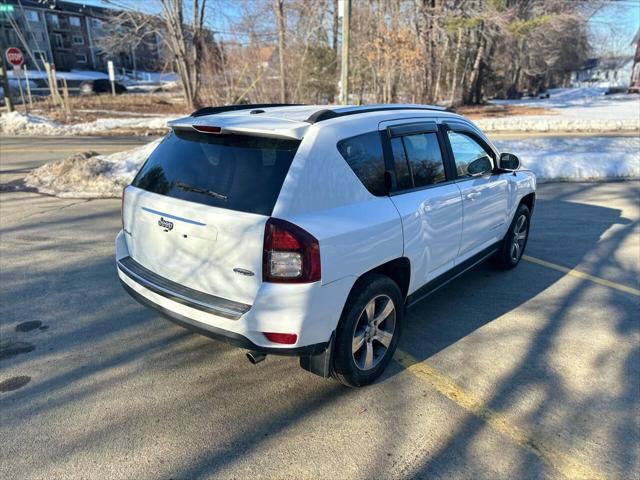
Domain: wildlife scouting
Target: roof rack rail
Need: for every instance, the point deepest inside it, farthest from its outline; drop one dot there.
(327, 114)
(231, 108)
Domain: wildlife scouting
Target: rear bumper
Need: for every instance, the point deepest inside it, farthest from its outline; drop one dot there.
(181, 294)
(311, 311)
(226, 336)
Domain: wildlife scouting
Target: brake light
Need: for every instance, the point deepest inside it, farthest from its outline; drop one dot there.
(290, 254)
(284, 338)
(207, 129)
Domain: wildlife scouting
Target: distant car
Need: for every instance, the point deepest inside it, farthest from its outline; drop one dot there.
(100, 85)
(307, 230)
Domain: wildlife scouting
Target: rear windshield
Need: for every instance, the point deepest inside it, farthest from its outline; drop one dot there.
(237, 172)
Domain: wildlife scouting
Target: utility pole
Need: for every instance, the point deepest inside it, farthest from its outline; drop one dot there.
(279, 7)
(344, 69)
(5, 83)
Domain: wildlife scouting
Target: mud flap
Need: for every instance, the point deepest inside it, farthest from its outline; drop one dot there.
(321, 363)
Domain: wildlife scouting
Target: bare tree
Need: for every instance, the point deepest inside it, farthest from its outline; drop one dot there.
(185, 43)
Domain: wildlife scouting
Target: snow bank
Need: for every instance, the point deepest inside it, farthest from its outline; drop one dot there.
(572, 110)
(578, 158)
(16, 123)
(89, 175)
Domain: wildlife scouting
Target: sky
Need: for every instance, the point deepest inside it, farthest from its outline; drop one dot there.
(617, 21)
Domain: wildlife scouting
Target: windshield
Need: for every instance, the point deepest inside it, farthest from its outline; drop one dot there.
(237, 172)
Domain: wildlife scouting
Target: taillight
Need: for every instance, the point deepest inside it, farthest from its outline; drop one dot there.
(290, 255)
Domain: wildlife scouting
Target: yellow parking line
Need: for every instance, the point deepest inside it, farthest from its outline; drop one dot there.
(584, 276)
(550, 454)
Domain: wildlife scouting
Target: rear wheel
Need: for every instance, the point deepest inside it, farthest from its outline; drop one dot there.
(368, 332)
(514, 241)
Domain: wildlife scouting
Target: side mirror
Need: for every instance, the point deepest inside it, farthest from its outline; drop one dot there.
(508, 161)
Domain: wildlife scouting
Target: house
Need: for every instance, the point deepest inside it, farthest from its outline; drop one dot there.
(68, 35)
(604, 72)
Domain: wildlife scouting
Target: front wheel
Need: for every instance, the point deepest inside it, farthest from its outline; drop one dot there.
(514, 241)
(368, 332)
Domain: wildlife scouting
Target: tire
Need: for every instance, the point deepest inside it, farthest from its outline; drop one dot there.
(359, 366)
(509, 254)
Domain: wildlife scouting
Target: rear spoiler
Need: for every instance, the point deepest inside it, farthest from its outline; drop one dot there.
(232, 108)
(295, 133)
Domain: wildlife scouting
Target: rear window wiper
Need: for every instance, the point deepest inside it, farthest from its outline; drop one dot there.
(204, 191)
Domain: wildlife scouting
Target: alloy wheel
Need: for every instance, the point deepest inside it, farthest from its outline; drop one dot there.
(519, 238)
(373, 332)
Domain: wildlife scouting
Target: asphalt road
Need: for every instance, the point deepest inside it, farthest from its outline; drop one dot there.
(525, 374)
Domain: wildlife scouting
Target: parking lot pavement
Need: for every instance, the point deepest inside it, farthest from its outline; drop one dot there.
(529, 373)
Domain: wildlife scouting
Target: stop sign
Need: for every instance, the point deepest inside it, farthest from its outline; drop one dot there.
(14, 56)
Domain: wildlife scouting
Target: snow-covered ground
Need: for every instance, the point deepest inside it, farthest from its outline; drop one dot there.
(572, 110)
(551, 159)
(16, 123)
(577, 158)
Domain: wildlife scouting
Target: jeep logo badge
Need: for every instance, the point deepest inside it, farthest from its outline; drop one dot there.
(165, 224)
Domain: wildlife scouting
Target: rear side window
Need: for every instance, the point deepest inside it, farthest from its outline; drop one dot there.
(418, 160)
(364, 155)
(236, 172)
(425, 159)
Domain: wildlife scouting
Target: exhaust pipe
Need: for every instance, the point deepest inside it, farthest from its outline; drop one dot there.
(255, 357)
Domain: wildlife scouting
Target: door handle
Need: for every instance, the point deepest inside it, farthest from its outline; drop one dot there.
(472, 196)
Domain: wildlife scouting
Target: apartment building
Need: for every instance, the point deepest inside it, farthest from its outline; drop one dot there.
(69, 35)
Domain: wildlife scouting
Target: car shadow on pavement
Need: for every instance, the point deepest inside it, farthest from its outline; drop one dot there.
(563, 232)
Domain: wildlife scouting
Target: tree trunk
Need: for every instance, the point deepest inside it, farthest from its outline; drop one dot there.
(279, 7)
(471, 95)
(454, 82)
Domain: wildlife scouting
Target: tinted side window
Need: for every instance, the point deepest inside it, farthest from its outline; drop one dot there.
(425, 159)
(470, 157)
(403, 174)
(363, 153)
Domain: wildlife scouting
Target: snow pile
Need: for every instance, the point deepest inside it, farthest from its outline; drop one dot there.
(573, 110)
(89, 175)
(577, 158)
(16, 123)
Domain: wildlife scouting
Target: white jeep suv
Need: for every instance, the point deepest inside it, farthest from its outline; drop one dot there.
(307, 230)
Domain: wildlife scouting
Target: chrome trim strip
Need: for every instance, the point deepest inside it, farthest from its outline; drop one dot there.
(168, 215)
(232, 314)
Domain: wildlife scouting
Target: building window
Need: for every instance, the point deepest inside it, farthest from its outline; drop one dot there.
(78, 40)
(53, 19)
(81, 58)
(74, 21)
(32, 16)
(97, 23)
(56, 40)
(41, 57)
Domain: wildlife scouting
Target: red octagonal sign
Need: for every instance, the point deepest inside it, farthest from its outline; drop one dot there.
(14, 56)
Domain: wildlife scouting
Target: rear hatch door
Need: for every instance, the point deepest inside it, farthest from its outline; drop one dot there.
(196, 212)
